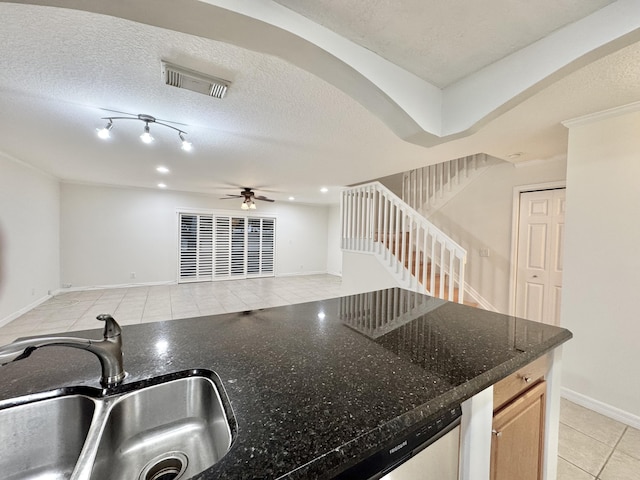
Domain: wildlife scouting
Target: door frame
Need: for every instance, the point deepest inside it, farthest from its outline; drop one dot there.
(515, 220)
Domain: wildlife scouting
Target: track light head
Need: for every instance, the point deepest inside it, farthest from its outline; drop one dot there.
(186, 145)
(146, 136)
(105, 132)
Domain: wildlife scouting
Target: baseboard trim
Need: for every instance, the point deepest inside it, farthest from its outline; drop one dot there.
(601, 408)
(302, 274)
(24, 310)
(119, 285)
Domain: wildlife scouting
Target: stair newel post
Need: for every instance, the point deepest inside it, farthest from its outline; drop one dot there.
(346, 206)
(367, 216)
(396, 244)
(363, 219)
(358, 215)
(379, 223)
(352, 220)
(403, 257)
(342, 219)
(442, 272)
(425, 263)
(451, 273)
(454, 166)
(462, 261)
(419, 201)
(385, 228)
(348, 220)
(409, 251)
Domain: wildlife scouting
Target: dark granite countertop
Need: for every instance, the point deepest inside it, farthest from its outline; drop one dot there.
(316, 387)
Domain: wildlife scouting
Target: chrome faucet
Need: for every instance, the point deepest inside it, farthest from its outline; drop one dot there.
(108, 350)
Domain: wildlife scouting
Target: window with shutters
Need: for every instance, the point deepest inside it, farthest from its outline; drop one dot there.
(215, 246)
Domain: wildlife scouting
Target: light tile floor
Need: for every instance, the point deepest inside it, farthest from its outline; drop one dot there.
(591, 446)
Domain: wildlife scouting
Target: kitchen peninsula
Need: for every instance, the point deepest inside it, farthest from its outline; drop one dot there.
(316, 388)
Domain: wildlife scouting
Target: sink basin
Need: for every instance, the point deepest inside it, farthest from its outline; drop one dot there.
(44, 439)
(172, 430)
(165, 428)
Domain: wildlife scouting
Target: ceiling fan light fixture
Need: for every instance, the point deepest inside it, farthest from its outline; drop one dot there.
(252, 206)
(244, 206)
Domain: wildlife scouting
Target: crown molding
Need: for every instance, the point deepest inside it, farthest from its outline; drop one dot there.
(602, 115)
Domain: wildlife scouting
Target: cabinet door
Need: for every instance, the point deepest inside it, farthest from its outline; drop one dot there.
(518, 435)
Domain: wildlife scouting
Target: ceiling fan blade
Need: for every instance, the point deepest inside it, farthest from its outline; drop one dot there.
(263, 198)
(229, 197)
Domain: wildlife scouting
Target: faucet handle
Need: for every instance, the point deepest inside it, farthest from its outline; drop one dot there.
(111, 327)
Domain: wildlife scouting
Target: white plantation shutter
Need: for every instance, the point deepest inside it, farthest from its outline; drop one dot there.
(267, 246)
(188, 246)
(196, 247)
(238, 246)
(222, 246)
(205, 247)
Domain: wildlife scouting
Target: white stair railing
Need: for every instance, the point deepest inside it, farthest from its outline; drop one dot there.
(428, 188)
(421, 256)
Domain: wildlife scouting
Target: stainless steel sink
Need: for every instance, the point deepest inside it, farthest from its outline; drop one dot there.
(43, 439)
(172, 430)
(166, 428)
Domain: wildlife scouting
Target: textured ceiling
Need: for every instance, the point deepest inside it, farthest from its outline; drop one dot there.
(443, 41)
(280, 127)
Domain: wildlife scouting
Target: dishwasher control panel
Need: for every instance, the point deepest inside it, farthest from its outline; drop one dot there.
(403, 447)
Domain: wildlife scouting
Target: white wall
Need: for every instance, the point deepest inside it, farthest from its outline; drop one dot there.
(109, 232)
(480, 217)
(601, 262)
(363, 272)
(29, 237)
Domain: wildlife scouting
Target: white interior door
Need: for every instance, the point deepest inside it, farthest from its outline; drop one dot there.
(539, 260)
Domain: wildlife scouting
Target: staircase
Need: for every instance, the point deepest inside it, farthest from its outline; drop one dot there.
(429, 188)
(420, 256)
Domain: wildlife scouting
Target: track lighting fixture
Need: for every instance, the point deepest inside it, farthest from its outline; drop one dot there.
(146, 136)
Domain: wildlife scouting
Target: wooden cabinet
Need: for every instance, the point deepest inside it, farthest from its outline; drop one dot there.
(518, 429)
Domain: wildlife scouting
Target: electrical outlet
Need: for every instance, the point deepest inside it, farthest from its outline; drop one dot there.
(132, 275)
(484, 252)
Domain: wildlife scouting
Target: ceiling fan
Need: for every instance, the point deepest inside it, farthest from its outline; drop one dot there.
(249, 197)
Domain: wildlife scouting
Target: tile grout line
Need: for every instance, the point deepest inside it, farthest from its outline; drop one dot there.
(578, 467)
(612, 451)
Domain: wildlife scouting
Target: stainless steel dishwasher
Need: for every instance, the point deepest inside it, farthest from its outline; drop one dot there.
(431, 452)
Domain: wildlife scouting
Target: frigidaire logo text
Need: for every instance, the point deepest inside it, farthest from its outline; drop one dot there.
(398, 447)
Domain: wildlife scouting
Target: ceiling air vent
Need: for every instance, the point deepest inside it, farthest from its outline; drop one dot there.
(195, 81)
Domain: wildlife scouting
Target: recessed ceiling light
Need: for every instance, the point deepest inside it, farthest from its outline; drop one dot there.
(292, 198)
(162, 185)
(162, 169)
(324, 189)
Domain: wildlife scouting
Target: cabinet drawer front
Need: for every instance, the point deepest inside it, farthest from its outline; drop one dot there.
(517, 382)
